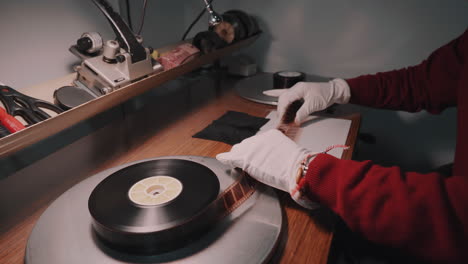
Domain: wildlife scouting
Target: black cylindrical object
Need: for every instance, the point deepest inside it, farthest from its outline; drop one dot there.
(286, 79)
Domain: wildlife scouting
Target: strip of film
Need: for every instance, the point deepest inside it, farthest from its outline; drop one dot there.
(287, 124)
(236, 194)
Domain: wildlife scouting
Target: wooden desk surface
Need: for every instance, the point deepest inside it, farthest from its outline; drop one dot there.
(307, 235)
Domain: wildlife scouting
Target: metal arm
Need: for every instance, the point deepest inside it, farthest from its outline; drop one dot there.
(125, 36)
(214, 17)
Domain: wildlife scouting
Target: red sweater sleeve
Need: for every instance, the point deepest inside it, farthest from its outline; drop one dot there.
(424, 215)
(431, 85)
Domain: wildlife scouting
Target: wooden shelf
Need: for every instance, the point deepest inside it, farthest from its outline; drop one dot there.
(37, 132)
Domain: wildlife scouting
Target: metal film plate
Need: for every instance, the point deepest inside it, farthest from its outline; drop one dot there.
(63, 233)
(251, 88)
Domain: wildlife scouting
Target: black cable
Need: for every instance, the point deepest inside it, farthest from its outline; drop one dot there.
(142, 17)
(4, 131)
(129, 15)
(195, 21)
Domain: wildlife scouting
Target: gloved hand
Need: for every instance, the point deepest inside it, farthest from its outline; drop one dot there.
(269, 157)
(317, 96)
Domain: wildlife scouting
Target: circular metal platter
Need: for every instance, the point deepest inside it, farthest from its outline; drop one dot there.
(251, 88)
(63, 233)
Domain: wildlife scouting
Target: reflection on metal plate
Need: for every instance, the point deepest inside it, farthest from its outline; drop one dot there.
(63, 234)
(251, 88)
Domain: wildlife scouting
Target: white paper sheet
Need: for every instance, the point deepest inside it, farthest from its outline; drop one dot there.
(317, 133)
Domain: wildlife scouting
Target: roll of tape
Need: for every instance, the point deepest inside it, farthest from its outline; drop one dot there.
(286, 79)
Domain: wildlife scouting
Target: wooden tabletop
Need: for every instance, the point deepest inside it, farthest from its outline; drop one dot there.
(307, 235)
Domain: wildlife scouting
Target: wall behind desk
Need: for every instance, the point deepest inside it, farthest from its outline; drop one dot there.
(321, 37)
(345, 38)
(339, 38)
(36, 35)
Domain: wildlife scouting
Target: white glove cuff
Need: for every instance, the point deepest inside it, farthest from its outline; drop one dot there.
(295, 183)
(341, 91)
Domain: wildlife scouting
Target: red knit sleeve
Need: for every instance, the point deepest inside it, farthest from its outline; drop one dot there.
(425, 215)
(430, 85)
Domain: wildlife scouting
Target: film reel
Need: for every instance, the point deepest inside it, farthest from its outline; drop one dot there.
(248, 22)
(154, 206)
(157, 206)
(208, 41)
(239, 29)
(236, 25)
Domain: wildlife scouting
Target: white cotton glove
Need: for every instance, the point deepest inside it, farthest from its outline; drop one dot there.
(269, 157)
(317, 96)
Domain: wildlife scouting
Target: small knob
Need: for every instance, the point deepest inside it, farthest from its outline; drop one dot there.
(83, 44)
(139, 38)
(106, 90)
(120, 58)
(110, 51)
(89, 42)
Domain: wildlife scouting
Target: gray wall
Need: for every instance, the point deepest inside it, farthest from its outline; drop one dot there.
(331, 38)
(36, 35)
(164, 21)
(338, 38)
(347, 38)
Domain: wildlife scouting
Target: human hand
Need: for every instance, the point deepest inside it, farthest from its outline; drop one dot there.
(269, 157)
(317, 96)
